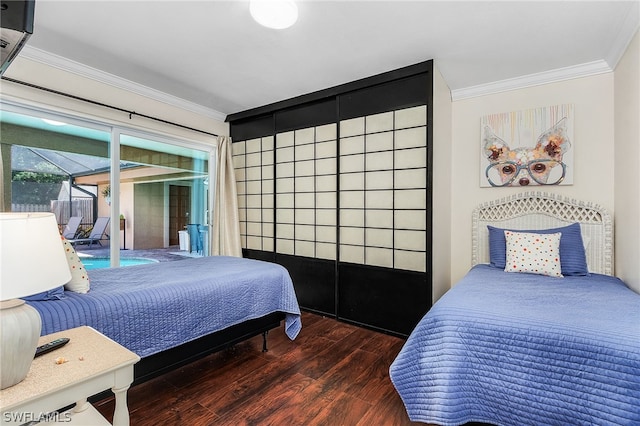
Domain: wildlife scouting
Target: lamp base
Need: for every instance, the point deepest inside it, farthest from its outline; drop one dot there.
(20, 327)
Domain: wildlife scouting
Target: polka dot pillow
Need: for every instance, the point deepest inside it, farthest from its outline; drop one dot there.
(533, 253)
(79, 278)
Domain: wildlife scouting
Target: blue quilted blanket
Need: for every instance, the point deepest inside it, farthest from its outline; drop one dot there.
(516, 349)
(153, 307)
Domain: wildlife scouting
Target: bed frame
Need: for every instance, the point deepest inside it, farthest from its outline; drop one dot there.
(539, 210)
(163, 362)
(155, 365)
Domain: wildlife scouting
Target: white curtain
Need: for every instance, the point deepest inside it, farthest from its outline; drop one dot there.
(226, 224)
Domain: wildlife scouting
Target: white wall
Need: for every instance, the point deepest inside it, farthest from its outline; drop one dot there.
(593, 144)
(627, 162)
(441, 217)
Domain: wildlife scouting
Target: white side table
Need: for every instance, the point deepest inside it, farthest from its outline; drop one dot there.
(94, 363)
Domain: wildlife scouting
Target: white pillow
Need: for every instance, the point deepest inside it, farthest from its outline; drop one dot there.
(79, 278)
(533, 253)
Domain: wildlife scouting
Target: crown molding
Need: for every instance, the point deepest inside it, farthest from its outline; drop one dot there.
(537, 79)
(82, 70)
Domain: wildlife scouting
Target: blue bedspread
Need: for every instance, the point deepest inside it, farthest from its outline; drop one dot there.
(515, 349)
(153, 307)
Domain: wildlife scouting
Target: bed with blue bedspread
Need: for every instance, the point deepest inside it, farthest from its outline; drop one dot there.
(511, 348)
(156, 307)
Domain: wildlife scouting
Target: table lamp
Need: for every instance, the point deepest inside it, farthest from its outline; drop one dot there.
(32, 260)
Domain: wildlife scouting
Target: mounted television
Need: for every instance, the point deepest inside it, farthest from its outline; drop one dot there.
(16, 26)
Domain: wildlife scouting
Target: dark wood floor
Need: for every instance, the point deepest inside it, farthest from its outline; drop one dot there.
(332, 374)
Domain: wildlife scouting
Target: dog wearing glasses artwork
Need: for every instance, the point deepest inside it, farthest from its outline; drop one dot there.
(540, 164)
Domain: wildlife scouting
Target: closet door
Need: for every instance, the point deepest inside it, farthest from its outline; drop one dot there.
(383, 219)
(253, 163)
(306, 213)
(334, 185)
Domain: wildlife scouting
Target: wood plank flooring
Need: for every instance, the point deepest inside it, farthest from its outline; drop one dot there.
(332, 374)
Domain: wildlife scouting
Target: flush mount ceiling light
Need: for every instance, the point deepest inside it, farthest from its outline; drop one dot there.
(276, 14)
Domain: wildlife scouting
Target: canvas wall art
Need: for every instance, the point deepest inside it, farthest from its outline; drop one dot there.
(527, 148)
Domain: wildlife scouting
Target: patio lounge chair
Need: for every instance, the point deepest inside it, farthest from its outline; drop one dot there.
(71, 228)
(99, 228)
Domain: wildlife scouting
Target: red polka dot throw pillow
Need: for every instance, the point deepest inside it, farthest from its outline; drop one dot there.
(533, 253)
(79, 278)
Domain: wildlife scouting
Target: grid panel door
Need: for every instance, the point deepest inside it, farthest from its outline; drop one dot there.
(254, 170)
(383, 183)
(305, 180)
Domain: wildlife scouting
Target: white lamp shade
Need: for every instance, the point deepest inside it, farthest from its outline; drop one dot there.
(32, 258)
(276, 14)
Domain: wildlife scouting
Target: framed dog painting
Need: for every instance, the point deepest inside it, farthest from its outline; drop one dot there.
(527, 148)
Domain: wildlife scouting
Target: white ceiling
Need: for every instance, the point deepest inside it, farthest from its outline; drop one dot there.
(212, 54)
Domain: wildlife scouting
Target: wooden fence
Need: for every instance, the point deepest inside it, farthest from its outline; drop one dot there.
(62, 209)
(30, 208)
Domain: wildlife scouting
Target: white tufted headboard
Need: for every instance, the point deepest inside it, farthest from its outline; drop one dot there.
(539, 210)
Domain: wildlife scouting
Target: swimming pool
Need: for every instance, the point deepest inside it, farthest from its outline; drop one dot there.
(104, 262)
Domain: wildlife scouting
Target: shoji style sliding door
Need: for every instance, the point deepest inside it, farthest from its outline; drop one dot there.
(254, 169)
(336, 188)
(306, 212)
(383, 217)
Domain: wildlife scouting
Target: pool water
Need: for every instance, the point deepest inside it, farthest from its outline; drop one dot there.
(105, 262)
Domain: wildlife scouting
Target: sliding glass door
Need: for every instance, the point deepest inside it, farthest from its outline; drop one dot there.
(164, 197)
(131, 190)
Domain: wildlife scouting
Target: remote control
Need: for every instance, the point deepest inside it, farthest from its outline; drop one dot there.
(48, 347)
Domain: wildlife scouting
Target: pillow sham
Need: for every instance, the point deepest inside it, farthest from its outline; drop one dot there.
(79, 279)
(53, 294)
(533, 253)
(573, 260)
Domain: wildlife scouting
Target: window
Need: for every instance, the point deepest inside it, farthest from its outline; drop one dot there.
(153, 189)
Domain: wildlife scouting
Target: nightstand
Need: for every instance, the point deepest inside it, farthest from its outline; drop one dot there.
(94, 363)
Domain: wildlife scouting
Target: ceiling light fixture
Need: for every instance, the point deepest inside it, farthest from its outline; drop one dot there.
(276, 14)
